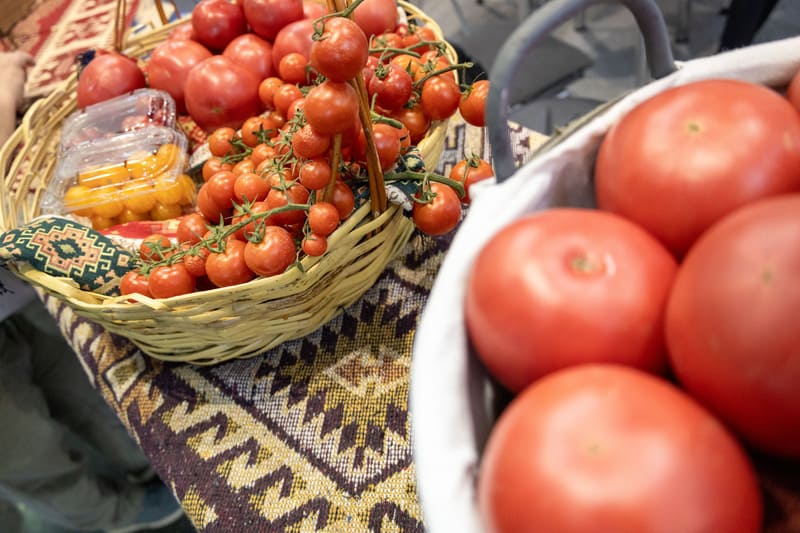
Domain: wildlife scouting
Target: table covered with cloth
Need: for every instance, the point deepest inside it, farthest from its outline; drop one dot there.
(310, 436)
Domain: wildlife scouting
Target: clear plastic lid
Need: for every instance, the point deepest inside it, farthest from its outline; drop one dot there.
(131, 172)
(129, 112)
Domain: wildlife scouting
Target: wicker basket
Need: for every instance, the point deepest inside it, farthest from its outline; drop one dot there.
(220, 324)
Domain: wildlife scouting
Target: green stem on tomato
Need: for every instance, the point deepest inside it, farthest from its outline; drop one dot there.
(437, 72)
(216, 243)
(423, 176)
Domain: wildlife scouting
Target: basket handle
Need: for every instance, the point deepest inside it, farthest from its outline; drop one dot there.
(530, 33)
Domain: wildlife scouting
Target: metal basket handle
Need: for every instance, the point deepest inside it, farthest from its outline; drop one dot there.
(530, 33)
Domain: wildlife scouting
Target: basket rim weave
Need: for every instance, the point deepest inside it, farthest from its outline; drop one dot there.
(27, 162)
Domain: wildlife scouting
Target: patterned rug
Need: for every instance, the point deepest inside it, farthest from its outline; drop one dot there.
(55, 31)
(312, 436)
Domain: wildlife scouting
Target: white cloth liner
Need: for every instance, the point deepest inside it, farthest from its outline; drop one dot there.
(448, 388)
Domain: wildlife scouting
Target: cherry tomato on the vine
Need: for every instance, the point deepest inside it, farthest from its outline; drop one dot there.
(272, 254)
(228, 267)
(191, 228)
(442, 214)
(323, 218)
(134, 281)
(473, 103)
(170, 280)
(469, 171)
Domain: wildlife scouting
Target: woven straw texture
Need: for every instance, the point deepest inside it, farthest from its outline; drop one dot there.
(210, 326)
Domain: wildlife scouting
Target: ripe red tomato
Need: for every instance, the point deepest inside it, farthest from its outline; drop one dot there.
(266, 91)
(473, 103)
(182, 32)
(210, 210)
(272, 254)
(323, 218)
(313, 9)
(568, 286)
(292, 69)
(793, 91)
(155, 247)
(219, 92)
(414, 119)
(470, 171)
(314, 245)
(376, 16)
(441, 215)
(134, 281)
(220, 141)
(294, 37)
(214, 165)
(285, 96)
(343, 199)
(393, 90)
(191, 228)
(601, 448)
(686, 157)
(315, 174)
(295, 194)
(228, 267)
(250, 187)
(106, 76)
(732, 325)
(308, 144)
(331, 107)
(341, 51)
(170, 280)
(387, 144)
(217, 22)
(169, 65)
(256, 130)
(440, 97)
(253, 53)
(268, 17)
(221, 188)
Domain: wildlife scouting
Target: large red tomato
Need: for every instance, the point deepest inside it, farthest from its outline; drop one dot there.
(686, 157)
(267, 17)
(376, 16)
(253, 53)
(169, 66)
(106, 76)
(217, 22)
(220, 93)
(294, 37)
(793, 91)
(568, 286)
(602, 448)
(732, 323)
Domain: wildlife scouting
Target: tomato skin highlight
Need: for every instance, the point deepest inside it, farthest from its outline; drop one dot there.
(602, 448)
(681, 160)
(568, 286)
(731, 323)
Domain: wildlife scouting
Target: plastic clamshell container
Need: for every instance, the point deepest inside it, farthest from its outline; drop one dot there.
(129, 112)
(131, 170)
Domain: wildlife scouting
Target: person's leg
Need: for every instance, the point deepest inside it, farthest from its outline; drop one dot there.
(72, 399)
(744, 19)
(36, 469)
